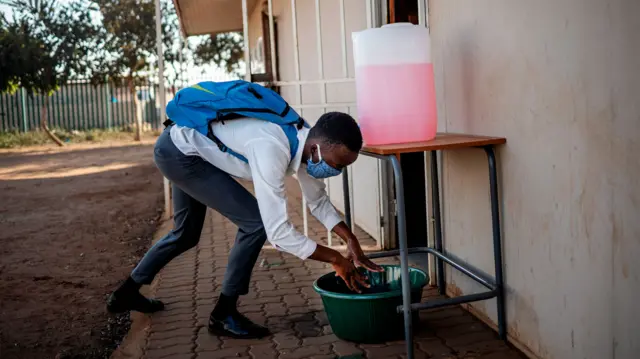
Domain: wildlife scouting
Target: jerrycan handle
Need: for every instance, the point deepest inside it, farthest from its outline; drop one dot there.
(354, 35)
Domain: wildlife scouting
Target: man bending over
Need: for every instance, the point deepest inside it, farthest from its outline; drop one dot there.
(203, 176)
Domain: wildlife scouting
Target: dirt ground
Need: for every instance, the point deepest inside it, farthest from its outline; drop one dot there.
(73, 223)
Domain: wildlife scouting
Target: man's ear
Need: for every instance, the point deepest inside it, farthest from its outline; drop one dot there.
(313, 148)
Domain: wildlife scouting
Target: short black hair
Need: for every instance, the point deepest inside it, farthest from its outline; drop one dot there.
(338, 128)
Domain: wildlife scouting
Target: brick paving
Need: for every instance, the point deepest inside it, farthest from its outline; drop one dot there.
(282, 298)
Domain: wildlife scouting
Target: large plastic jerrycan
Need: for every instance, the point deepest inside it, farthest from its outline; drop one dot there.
(394, 83)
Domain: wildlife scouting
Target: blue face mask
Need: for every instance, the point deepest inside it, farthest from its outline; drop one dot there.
(320, 169)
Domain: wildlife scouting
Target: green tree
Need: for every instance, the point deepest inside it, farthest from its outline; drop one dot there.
(44, 46)
(129, 50)
(225, 50)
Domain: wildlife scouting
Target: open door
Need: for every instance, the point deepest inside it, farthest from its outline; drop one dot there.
(403, 11)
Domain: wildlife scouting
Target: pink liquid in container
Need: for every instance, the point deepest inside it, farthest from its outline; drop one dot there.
(394, 83)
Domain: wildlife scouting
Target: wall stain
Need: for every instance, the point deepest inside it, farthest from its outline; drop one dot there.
(625, 271)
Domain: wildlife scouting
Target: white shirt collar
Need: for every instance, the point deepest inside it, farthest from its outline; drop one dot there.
(294, 166)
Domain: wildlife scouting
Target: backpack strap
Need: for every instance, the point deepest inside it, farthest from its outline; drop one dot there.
(226, 149)
(219, 143)
(290, 130)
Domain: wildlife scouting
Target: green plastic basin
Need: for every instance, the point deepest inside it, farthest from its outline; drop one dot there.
(370, 316)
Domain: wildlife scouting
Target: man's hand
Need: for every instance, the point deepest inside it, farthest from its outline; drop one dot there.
(358, 257)
(350, 275)
(356, 254)
(344, 268)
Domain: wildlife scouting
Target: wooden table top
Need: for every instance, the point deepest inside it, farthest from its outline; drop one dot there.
(443, 141)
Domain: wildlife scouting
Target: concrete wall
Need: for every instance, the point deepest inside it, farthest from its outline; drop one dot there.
(339, 96)
(560, 80)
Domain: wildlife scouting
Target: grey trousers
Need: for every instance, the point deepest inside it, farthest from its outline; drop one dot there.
(197, 184)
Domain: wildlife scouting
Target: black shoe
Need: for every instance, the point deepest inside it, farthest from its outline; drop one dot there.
(236, 325)
(123, 301)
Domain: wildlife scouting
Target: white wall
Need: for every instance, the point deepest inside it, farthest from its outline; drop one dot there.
(561, 81)
(365, 170)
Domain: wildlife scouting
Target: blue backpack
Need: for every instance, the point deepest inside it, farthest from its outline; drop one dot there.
(206, 102)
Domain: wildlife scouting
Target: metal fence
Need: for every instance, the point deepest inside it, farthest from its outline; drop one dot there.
(81, 106)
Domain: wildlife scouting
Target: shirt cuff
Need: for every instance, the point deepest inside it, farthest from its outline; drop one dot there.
(308, 249)
(326, 213)
(330, 220)
(302, 251)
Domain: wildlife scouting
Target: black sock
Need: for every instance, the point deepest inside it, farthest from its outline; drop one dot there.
(129, 286)
(225, 306)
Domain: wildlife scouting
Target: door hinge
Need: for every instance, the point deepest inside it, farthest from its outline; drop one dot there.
(394, 207)
(381, 221)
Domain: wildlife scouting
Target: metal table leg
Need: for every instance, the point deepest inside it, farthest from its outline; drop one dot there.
(497, 245)
(435, 205)
(404, 256)
(347, 202)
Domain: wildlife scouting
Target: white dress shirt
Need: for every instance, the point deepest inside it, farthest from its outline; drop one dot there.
(266, 147)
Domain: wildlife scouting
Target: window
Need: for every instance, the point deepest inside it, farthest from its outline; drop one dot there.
(261, 69)
(257, 57)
